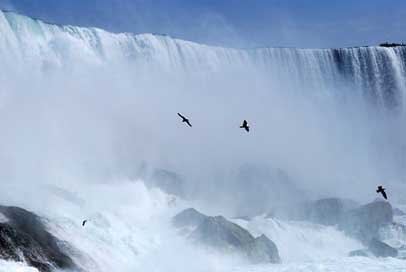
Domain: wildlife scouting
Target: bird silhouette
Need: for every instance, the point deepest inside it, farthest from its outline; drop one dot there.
(382, 191)
(245, 126)
(84, 222)
(184, 119)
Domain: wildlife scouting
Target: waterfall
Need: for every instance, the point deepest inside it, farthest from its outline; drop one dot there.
(376, 74)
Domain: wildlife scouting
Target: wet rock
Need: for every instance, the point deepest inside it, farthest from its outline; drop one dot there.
(221, 234)
(23, 237)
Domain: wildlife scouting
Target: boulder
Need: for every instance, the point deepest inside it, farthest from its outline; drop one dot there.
(23, 237)
(221, 234)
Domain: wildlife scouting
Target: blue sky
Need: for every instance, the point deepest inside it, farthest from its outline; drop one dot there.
(237, 23)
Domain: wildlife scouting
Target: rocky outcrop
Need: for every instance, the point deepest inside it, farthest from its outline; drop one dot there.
(23, 237)
(219, 233)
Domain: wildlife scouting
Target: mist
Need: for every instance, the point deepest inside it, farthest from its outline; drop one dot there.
(73, 114)
(88, 117)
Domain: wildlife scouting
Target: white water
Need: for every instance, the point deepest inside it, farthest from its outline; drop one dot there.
(82, 109)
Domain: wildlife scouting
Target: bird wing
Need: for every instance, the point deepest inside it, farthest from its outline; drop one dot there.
(245, 123)
(247, 129)
(181, 116)
(384, 194)
(187, 122)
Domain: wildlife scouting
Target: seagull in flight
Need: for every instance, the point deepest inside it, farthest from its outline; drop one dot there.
(84, 223)
(245, 126)
(184, 119)
(382, 191)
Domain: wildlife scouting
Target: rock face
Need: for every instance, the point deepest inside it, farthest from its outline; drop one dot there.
(219, 233)
(23, 237)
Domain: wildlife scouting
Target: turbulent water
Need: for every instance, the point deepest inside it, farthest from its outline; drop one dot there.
(86, 116)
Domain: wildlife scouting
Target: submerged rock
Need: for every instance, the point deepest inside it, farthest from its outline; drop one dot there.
(23, 237)
(360, 253)
(219, 233)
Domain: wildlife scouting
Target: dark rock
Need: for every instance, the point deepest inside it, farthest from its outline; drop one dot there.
(364, 222)
(380, 249)
(264, 250)
(25, 238)
(386, 44)
(219, 233)
(188, 218)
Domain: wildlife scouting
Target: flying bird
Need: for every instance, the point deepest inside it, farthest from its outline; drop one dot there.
(382, 191)
(245, 126)
(184, 119)
(84, 222)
